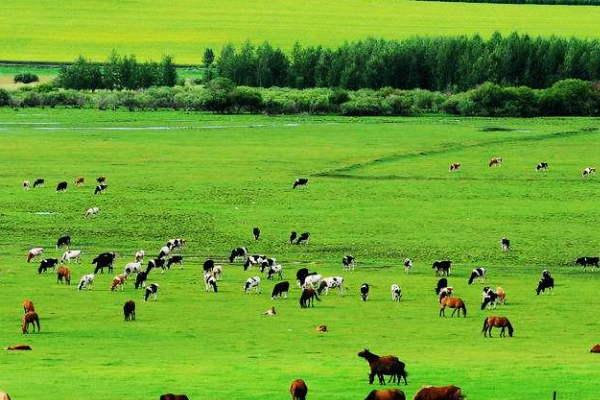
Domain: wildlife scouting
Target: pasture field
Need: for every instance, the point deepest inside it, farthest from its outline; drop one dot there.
(379, 189)
(62, 30)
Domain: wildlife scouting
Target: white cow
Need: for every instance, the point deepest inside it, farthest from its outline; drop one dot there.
(396, 292)
(71, 255)
(311, 281)
(86, 281)
(331, 283)
(139, 255)
(253, 282)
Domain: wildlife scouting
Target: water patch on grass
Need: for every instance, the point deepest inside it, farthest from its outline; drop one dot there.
(46, 213)
(496, 129)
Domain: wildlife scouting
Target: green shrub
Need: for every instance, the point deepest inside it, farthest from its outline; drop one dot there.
(26, 77)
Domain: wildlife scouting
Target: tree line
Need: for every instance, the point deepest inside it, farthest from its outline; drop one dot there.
(543, 2)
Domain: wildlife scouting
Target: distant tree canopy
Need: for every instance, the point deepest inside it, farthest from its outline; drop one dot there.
(431, 63)
(543, 2)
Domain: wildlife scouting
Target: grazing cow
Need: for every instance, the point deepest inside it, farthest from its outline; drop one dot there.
(270, 311)
(156, 263)
(501, 295)
(86, 281)
(496, 161)
(300, 182)
(171, 396)
(175, 243)
(256, 232)
(442, 283)
(104, 260)
(132, 268)
(164, 251)
(364, 291)
(331, 283)
(280, 289)
(254, 260)
(587, 171)
(253, 282)
(17, 347)
(348, 262)
(585, 261)
(175, 259)
(28, 306)
(546, 282)
(386, 394)
(307, 298)
(63, 273)
(26, 185)
(595, 349)
(439, 393)
(129, 310)
(151, 290)
(100, 188)
(237, 253)
(396, 292)
(273, 270)
(293, 236)
(303, 238)
(208, 266)
(47, 263)
(442, 267)
(477, 273)
(91, 211)
(454, 167)
(101, 179)
(32, 318)
(38, 182)
(139, 256)
(542, 166)
(63, 241)
(408, 263)
(311, 280)
(118, 281)
(445, 292)
(79, 181)
(141, 278)
(34, 252)
(298, 389)
(61, 187)
(489, 298)
(505, 243)
(211, 283)
(267, 262)
(217, 272)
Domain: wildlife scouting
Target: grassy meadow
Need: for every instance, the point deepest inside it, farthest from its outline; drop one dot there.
(379, 189)
(62, 30)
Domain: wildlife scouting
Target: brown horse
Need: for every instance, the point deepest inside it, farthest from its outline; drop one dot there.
(386, 365)
(439, 393)
(307, 297)
(19, 347)
(63, 273)
(28, 306)
(171, 396)
(386, 394)
(30, 318)
(498, 322)
(298, 389)
(453, 302)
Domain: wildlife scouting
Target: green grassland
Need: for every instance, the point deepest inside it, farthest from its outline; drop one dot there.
(63, 30)
(379, 189)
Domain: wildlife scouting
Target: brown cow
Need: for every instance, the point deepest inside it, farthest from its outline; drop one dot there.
(30, 318)
(129, 310)
(118, 281)
(63, 273)
(298, 389)
(595, 349)
(496, 161)
(28, 306)
(79, 181)
(439, 393)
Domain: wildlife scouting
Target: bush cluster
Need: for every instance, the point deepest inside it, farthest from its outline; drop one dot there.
(26, 77)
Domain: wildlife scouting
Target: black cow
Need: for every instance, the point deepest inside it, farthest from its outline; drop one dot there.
(175, 259)
(39, 182)
(364, 291)
(61, 187)
(505, 244)
(237, 252)
(280, 288)
(63, 241)
(304, 237)
(442, 283)
(300, 182)
(546, 282)
(104, 260)
(100, 188)
(542, 166)
(585, 261)
(256, 232)
(47, 263)
(442, 267)
(129, 310)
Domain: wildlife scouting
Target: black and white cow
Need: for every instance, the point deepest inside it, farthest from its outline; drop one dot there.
(63, 241)
(489, 298)
(331, 283)
(252, 282)
(211, 283)
(237, 253)
(273, 270)
(364, 291)
(91, 211)
(445, 292)
(585, 261)
(477, 273)
(39, 182)
(61, 187)
(441, 283)
(542, 166)
(442, 267)
(26, 185)
(546, 282)
(256, 232)
(280, 289)
(151, 290)
(133, 268)
(300, 182)
(156, 263)
(505, 243)
(267, 263)
(141, 278)
(408, 263)
(175, 259)
(104, 260)
(86, 281)
(293, 236)
(208, 266)
(163, 252)
(256, 259)
(303, 238)
(47, 263)
(177, 243)
(100, 188)
(587, 171)
(348, 262)
(396, 292)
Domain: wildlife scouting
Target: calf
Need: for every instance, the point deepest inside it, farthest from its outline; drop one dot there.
(34, 252)
(408, 265)
(454, 167)
(303, 238)
(442, 267)
(587, 171)
(253, 282)
(256, 232)
(300, 182)
(86, 281)
(79, 181)
(100, 188)
(501, 295)
(477, 273)
(396, 292)
(91, 211)
(151, 290)
(585, 261)
(26, 185)
(348, 262)
(505, 243)
(63, 241)
(118, 281)
(129, 310)
(61, 187)
(46, 264)
(496, 161)
(38, 182)
(175, 259)
(364, 291)
(237, 253)
(63, 273)
(542, 166)
(280, 289)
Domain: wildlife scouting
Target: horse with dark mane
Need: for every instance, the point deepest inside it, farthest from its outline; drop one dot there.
(307, 298)
(32, 318)
(386, 365)
(453, 302)
(386, 394)
(498, 322)
(298, 389)
(450, 392)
